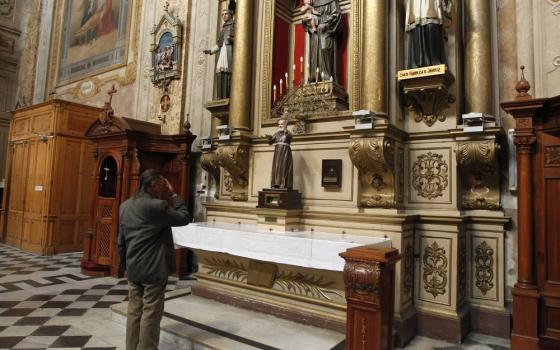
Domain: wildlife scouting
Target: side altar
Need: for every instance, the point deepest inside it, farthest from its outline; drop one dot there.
(295, 275)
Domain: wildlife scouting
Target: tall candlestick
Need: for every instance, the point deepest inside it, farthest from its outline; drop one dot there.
(280, 87)
(274, 89)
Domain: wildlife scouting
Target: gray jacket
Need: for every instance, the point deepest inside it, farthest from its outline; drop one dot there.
(145, 241)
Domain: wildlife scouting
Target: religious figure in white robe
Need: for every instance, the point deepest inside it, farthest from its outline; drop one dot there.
(224, 49)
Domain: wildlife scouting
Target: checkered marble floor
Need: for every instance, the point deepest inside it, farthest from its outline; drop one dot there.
(46, 303)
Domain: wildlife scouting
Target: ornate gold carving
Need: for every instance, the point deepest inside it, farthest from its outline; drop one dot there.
(309, 285)
(235, 160)
(228, 182)
(375, 158)
(428, 96)
(408, 270)
(478, 164)
(225, 268)
(484, 262)
(267, 59)
(430, 175)
(310, 99)
(435, 269)
(552, 156)
(208, 162)
(362, 281)
(355, 98)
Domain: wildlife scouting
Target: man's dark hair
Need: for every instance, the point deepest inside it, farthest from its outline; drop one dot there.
(146, 180)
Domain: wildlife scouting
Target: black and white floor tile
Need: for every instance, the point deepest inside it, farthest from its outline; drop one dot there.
(46, 303)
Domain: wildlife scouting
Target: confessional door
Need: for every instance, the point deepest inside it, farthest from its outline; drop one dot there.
(106, 216)
(17, 178)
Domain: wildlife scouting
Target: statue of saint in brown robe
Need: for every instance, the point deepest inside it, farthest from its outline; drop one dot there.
(282, 163)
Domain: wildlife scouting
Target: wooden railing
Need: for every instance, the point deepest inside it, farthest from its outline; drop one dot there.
(369, 279)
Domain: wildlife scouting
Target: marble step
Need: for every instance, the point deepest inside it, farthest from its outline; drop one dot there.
(192, 322)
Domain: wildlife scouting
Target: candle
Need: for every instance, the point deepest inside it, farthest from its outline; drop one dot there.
(317, 75)
(322, 76)
(280, 87)
(331, 79)
(274, 88)
(301, 64)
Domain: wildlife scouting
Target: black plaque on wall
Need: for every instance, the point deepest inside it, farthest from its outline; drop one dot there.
(331, 173)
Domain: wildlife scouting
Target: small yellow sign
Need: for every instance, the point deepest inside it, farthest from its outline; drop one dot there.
(421, 72)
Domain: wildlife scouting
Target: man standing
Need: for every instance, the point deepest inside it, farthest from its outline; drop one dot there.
(147, 253)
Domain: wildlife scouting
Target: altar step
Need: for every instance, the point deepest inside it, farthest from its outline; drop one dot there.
(192, 322)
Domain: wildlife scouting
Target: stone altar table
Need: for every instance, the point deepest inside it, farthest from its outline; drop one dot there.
(294, 275)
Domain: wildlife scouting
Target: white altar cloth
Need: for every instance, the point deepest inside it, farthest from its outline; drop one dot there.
(317, 250)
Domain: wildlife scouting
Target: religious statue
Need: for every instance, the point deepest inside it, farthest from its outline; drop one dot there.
(224, 46)
(424, 22)
(282, 163)
(322, 24)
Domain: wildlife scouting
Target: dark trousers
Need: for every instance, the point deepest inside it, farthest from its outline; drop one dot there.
(145, 310)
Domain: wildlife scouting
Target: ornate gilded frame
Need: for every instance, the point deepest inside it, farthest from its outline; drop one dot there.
(353, 48)
(167, 24)
(95, 83)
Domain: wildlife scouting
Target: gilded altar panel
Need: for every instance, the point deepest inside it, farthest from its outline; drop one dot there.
(436, 270)
(307, 171)
(431, 176)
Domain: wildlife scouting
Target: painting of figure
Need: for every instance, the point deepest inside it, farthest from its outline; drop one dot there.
(95, 36)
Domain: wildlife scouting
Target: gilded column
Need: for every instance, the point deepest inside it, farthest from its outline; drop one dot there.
(478, 57)
(240, 99)
(374, 56)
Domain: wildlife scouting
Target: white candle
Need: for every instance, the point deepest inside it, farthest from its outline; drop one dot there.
(274, 88)
(301, 64)
(280, 87)
(317, 75)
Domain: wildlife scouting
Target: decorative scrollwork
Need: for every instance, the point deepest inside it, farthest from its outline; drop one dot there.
(552, 155)
(478, 164)
(435, 270)
(208, 163)
(299, 283)
(430, 175)
(484, 262)
(228, 182)
(375, 158)
(235, 160)
(362, 281)
(226, 269)
(6, 7)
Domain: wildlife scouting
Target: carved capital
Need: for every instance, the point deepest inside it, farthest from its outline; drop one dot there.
(362, 280)
(235, 160)
(428, 96)
(479, 169)
(375, 159)
(525, 143)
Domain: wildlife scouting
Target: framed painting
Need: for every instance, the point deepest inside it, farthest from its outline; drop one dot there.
(94, 38)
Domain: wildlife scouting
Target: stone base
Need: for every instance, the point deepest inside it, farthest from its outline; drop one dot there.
(255, 305)
(281, 220)
(496, 323)
(445, 327)
(405, 327)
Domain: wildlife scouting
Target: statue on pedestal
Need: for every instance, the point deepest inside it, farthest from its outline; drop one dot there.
(224, 46)
(282, 163)
(322, 24)
(424, 22)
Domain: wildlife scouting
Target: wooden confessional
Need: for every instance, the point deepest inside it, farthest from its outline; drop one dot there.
(47, 177)
(536, 295)
(123, 149)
